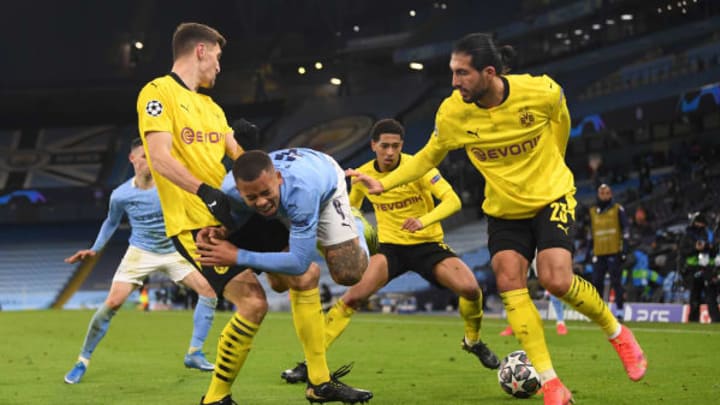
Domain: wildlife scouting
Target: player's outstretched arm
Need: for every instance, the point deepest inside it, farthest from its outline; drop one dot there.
(80, 255)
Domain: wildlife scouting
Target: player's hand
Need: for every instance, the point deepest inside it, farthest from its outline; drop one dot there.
(246, 130)
(217, 252)
(373, 185)
(412, 225)
(217, 202)
(80, 255)
(211, 232)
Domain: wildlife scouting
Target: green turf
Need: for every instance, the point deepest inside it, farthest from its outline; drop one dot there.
(403, 359)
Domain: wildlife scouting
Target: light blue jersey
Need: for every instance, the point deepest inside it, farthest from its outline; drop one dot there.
(147, 228)
(310, 179)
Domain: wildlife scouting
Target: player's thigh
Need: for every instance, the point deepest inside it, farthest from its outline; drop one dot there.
(119, 292)
(336, 222)
(455, 275)
(136, 265)
(301, 282)
(512, 248)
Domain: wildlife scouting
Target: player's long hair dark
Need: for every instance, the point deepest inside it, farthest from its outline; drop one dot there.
(484, 52)
(251, 164)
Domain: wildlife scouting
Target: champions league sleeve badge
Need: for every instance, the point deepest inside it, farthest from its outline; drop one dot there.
(154, 108)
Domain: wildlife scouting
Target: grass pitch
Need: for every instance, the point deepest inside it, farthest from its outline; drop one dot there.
(403, 359)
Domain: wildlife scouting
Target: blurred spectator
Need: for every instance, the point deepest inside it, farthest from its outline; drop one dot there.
(697, 249)
(643, 284)
(609, 239)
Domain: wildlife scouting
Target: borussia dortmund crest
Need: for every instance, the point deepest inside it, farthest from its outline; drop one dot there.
(527, 119)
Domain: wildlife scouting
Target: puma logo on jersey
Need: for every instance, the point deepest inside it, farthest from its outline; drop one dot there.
(563, 228)
(212, 204)
(475, 133)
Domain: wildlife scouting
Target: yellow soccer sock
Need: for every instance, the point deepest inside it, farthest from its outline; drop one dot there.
(310, 328)
(472, 313)
(233, 348)
(336, 320)
(584, 298)
(527, 325)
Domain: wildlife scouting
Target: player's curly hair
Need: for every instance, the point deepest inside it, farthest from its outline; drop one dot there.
(386, 126)
(484, 52)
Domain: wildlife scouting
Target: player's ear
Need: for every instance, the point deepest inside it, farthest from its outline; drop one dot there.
(279, 176)
(200, 50)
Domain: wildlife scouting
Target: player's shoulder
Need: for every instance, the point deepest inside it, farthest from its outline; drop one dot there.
(158, 83)
(531, 83)
(123, 190)
(453, 102)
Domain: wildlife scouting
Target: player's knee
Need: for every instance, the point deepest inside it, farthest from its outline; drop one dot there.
(114, 303)
(469, 292)
(557, 283)
(348, 273)
(277, 284)
(254, 304)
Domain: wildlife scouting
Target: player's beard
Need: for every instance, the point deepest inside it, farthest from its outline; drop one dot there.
(475, 96)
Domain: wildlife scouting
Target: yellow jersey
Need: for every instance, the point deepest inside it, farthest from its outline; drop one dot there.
(413, 200)
(198, 127)
(518, 146)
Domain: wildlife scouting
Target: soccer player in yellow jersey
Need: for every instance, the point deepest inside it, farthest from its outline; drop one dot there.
(186, 136)
(515, 129)
(411, 238)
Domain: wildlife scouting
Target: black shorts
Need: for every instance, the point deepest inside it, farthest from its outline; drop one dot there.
(549, 228)
(420, 258)
(258, 234)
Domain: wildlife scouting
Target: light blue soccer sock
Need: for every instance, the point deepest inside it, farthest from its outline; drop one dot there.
(559, 308)
(202, 321)
(96, 330)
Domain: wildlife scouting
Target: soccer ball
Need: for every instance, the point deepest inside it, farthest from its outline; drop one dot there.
(517, 376)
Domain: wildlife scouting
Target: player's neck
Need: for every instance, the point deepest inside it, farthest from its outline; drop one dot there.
(496, 95)
(144, 182)
(186, 73)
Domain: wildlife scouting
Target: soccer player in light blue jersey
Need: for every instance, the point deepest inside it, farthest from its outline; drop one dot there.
(149, 251)
(307, 190)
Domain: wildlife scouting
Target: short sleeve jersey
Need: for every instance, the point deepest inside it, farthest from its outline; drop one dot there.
(394, 206)
(513, 145)
(199, 129)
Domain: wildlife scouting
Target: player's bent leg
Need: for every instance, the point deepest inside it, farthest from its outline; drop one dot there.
(202, 320)
(511, 274)
(454, 274)
(346, 261)
(309, 322)
(246, 293)
(555, 274)
(338, 317)
(99, 324)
